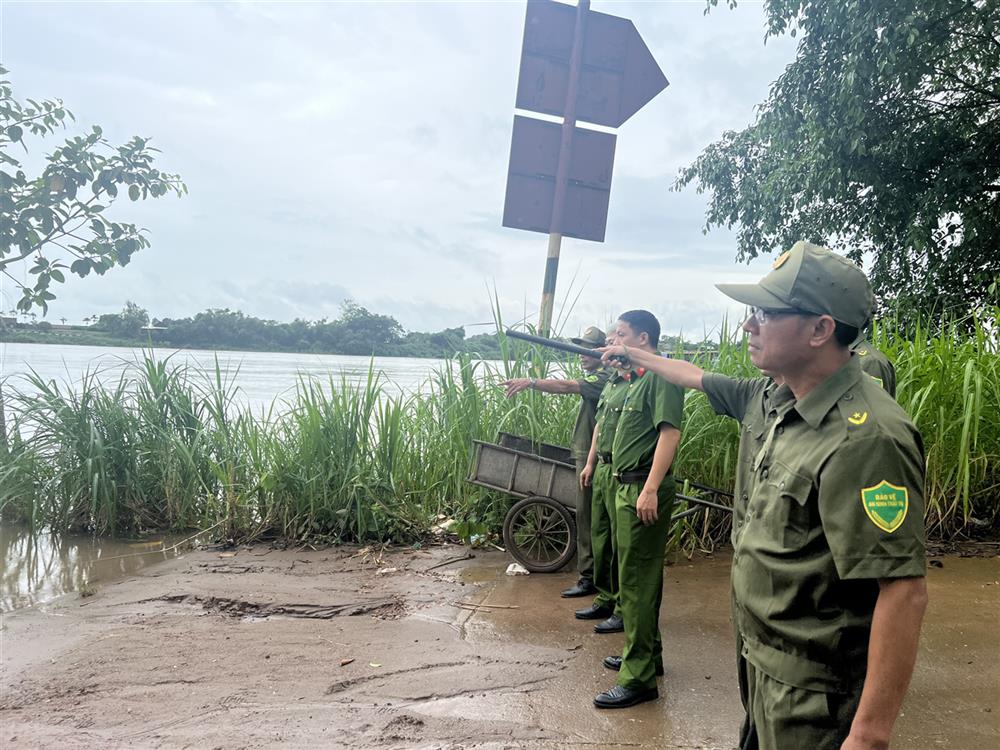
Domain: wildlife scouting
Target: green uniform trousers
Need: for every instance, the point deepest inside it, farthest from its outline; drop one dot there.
(604, 545)
(640, 577)
(584, 546)
(784, 717)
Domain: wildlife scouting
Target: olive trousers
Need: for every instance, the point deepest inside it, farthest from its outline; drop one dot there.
(584, 544)
(604, 545)
(781, 716)
(640, 578)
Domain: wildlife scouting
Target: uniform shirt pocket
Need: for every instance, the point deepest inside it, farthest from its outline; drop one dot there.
(787, 516)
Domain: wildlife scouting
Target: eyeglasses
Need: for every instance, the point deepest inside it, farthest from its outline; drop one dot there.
(762, 315)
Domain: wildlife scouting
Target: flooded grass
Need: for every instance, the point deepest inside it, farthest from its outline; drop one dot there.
(167, 446)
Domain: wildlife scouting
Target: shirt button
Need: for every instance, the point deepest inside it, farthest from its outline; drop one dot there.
(763, 473)
(780, 430)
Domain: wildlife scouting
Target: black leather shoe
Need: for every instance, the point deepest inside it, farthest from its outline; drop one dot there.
(615, 663)
(583, 587)
(593, 612)
(613, 624)
(622, 697)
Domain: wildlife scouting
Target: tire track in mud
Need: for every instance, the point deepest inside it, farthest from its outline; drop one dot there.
(339, 687)
(518, 684)
(243, 608)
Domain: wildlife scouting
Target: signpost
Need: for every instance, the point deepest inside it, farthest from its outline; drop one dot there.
(582, 66)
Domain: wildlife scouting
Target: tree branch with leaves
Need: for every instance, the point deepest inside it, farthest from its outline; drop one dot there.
(882, 140)
(55, 222)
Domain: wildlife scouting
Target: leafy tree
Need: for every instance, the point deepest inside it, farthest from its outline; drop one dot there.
(359, 331)
(128, 323)
(881, 138)
(58, 218)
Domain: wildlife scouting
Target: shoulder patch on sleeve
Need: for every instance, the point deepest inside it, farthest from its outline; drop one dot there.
(858, 417)
(591, 378)
(886, 505)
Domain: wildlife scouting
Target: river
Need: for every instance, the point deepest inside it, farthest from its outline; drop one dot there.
(261, 377)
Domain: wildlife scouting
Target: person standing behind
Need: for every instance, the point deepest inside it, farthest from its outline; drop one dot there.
(597, 474)
(645, 443)
(589, 387)
(876, 364)
(828, 587)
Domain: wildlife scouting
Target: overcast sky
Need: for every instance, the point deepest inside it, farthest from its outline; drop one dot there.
(359, 150)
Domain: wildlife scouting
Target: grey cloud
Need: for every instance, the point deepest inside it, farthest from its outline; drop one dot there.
(360, 149)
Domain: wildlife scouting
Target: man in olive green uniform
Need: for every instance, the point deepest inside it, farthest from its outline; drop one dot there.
(876, 364)
(642, 454)
(589, 387)
(597, 473)
(828, 560)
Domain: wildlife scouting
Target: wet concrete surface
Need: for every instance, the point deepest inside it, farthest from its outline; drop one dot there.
(953, 701)
(699, 702)
(408, 650)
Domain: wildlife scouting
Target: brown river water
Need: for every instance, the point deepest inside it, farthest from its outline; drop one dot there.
(37, 567)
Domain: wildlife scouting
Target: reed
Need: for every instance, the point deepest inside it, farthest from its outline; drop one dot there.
(166, 446)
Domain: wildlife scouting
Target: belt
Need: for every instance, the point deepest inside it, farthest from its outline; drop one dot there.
(633, 477)
(603, 458)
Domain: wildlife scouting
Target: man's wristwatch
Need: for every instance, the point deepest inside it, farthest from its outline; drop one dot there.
(531, 382)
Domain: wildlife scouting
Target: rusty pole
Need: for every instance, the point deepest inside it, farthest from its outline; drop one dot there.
(562, 171)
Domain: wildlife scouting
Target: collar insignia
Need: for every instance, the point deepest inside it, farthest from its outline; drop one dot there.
(638, 373)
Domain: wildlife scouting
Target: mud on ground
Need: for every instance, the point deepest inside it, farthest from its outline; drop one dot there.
(421, 649)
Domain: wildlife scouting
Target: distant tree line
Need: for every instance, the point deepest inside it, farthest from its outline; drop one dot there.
(356, 331)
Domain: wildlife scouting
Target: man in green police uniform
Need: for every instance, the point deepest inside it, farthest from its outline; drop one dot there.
(828, 536)
(596, 474)
(645, 443)
(589, 387)
(876, 364)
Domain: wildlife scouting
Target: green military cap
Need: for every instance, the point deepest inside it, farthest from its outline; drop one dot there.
(812, 279)
(592, 337)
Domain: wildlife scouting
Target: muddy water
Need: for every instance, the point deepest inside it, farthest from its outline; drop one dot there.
(37, 567)
(953, 702)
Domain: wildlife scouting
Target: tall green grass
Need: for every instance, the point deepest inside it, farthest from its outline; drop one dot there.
(165, 446)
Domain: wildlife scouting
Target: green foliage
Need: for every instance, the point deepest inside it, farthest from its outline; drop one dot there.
(357, 331)
(55, 222)
(881, 137)
(166, 446)
(128, 323)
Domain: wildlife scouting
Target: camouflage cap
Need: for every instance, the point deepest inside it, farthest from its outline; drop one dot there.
(812, 279)
(592, 337)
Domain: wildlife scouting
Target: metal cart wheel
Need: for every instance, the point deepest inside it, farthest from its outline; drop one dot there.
(540, 533)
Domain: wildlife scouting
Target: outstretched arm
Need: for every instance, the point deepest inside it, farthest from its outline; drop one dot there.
(549, 385)
(676, 371)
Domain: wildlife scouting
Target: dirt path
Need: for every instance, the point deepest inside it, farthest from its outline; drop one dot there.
(341, 648)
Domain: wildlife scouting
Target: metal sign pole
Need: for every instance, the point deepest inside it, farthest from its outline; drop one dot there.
(562, 171)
